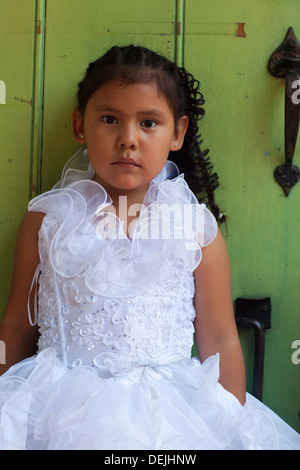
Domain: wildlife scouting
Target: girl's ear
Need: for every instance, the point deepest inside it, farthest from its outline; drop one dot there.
(179, 133)
(78, 127)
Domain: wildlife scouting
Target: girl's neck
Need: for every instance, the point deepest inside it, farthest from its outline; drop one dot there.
(133, 196)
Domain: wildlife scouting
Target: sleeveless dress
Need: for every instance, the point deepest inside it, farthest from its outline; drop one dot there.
(115, 314)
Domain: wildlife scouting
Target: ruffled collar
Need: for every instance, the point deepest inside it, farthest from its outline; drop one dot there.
(90, 241)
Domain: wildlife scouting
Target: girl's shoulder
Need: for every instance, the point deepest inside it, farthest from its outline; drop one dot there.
(27, 238)
(31, 223)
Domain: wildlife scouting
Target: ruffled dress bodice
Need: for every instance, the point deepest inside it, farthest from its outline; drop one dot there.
(105, 297)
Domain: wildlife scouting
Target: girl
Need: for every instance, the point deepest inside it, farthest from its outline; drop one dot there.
(118, 300)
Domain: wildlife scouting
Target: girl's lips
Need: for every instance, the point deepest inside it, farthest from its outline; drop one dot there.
(126, 162)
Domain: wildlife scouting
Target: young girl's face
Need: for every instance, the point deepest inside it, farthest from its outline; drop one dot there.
(128, 131)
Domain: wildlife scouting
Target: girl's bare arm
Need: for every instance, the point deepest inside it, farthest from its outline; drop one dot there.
(215, 328)
(19, 336)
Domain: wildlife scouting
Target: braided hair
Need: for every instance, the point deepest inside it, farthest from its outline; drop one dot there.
(136, 64)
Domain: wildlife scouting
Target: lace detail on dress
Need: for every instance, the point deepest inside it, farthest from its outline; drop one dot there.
(49, 302)
(183, 331)
(95, 327)
(135, 327)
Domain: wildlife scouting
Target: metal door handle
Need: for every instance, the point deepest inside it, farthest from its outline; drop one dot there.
(285, 63)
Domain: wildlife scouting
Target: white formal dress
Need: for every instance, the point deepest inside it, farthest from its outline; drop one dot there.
(115, 314)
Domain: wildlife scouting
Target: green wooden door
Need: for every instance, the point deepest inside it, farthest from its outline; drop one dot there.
(227, 46)
(228, 49)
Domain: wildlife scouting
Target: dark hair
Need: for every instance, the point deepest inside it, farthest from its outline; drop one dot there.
(136, 64)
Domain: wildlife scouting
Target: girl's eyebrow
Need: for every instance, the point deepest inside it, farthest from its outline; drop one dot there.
(104, 107)
(150, 112)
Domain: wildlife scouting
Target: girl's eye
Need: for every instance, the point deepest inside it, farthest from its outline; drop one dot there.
(109, 120)
(149, 123)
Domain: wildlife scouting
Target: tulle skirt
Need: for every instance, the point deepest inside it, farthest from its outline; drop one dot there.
(178, 406)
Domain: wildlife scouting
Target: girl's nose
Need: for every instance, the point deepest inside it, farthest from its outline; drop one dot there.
(128, 138)
(128, 146)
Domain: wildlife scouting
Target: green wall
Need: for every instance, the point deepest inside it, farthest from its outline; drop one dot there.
(16, 75)
(45, 47)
